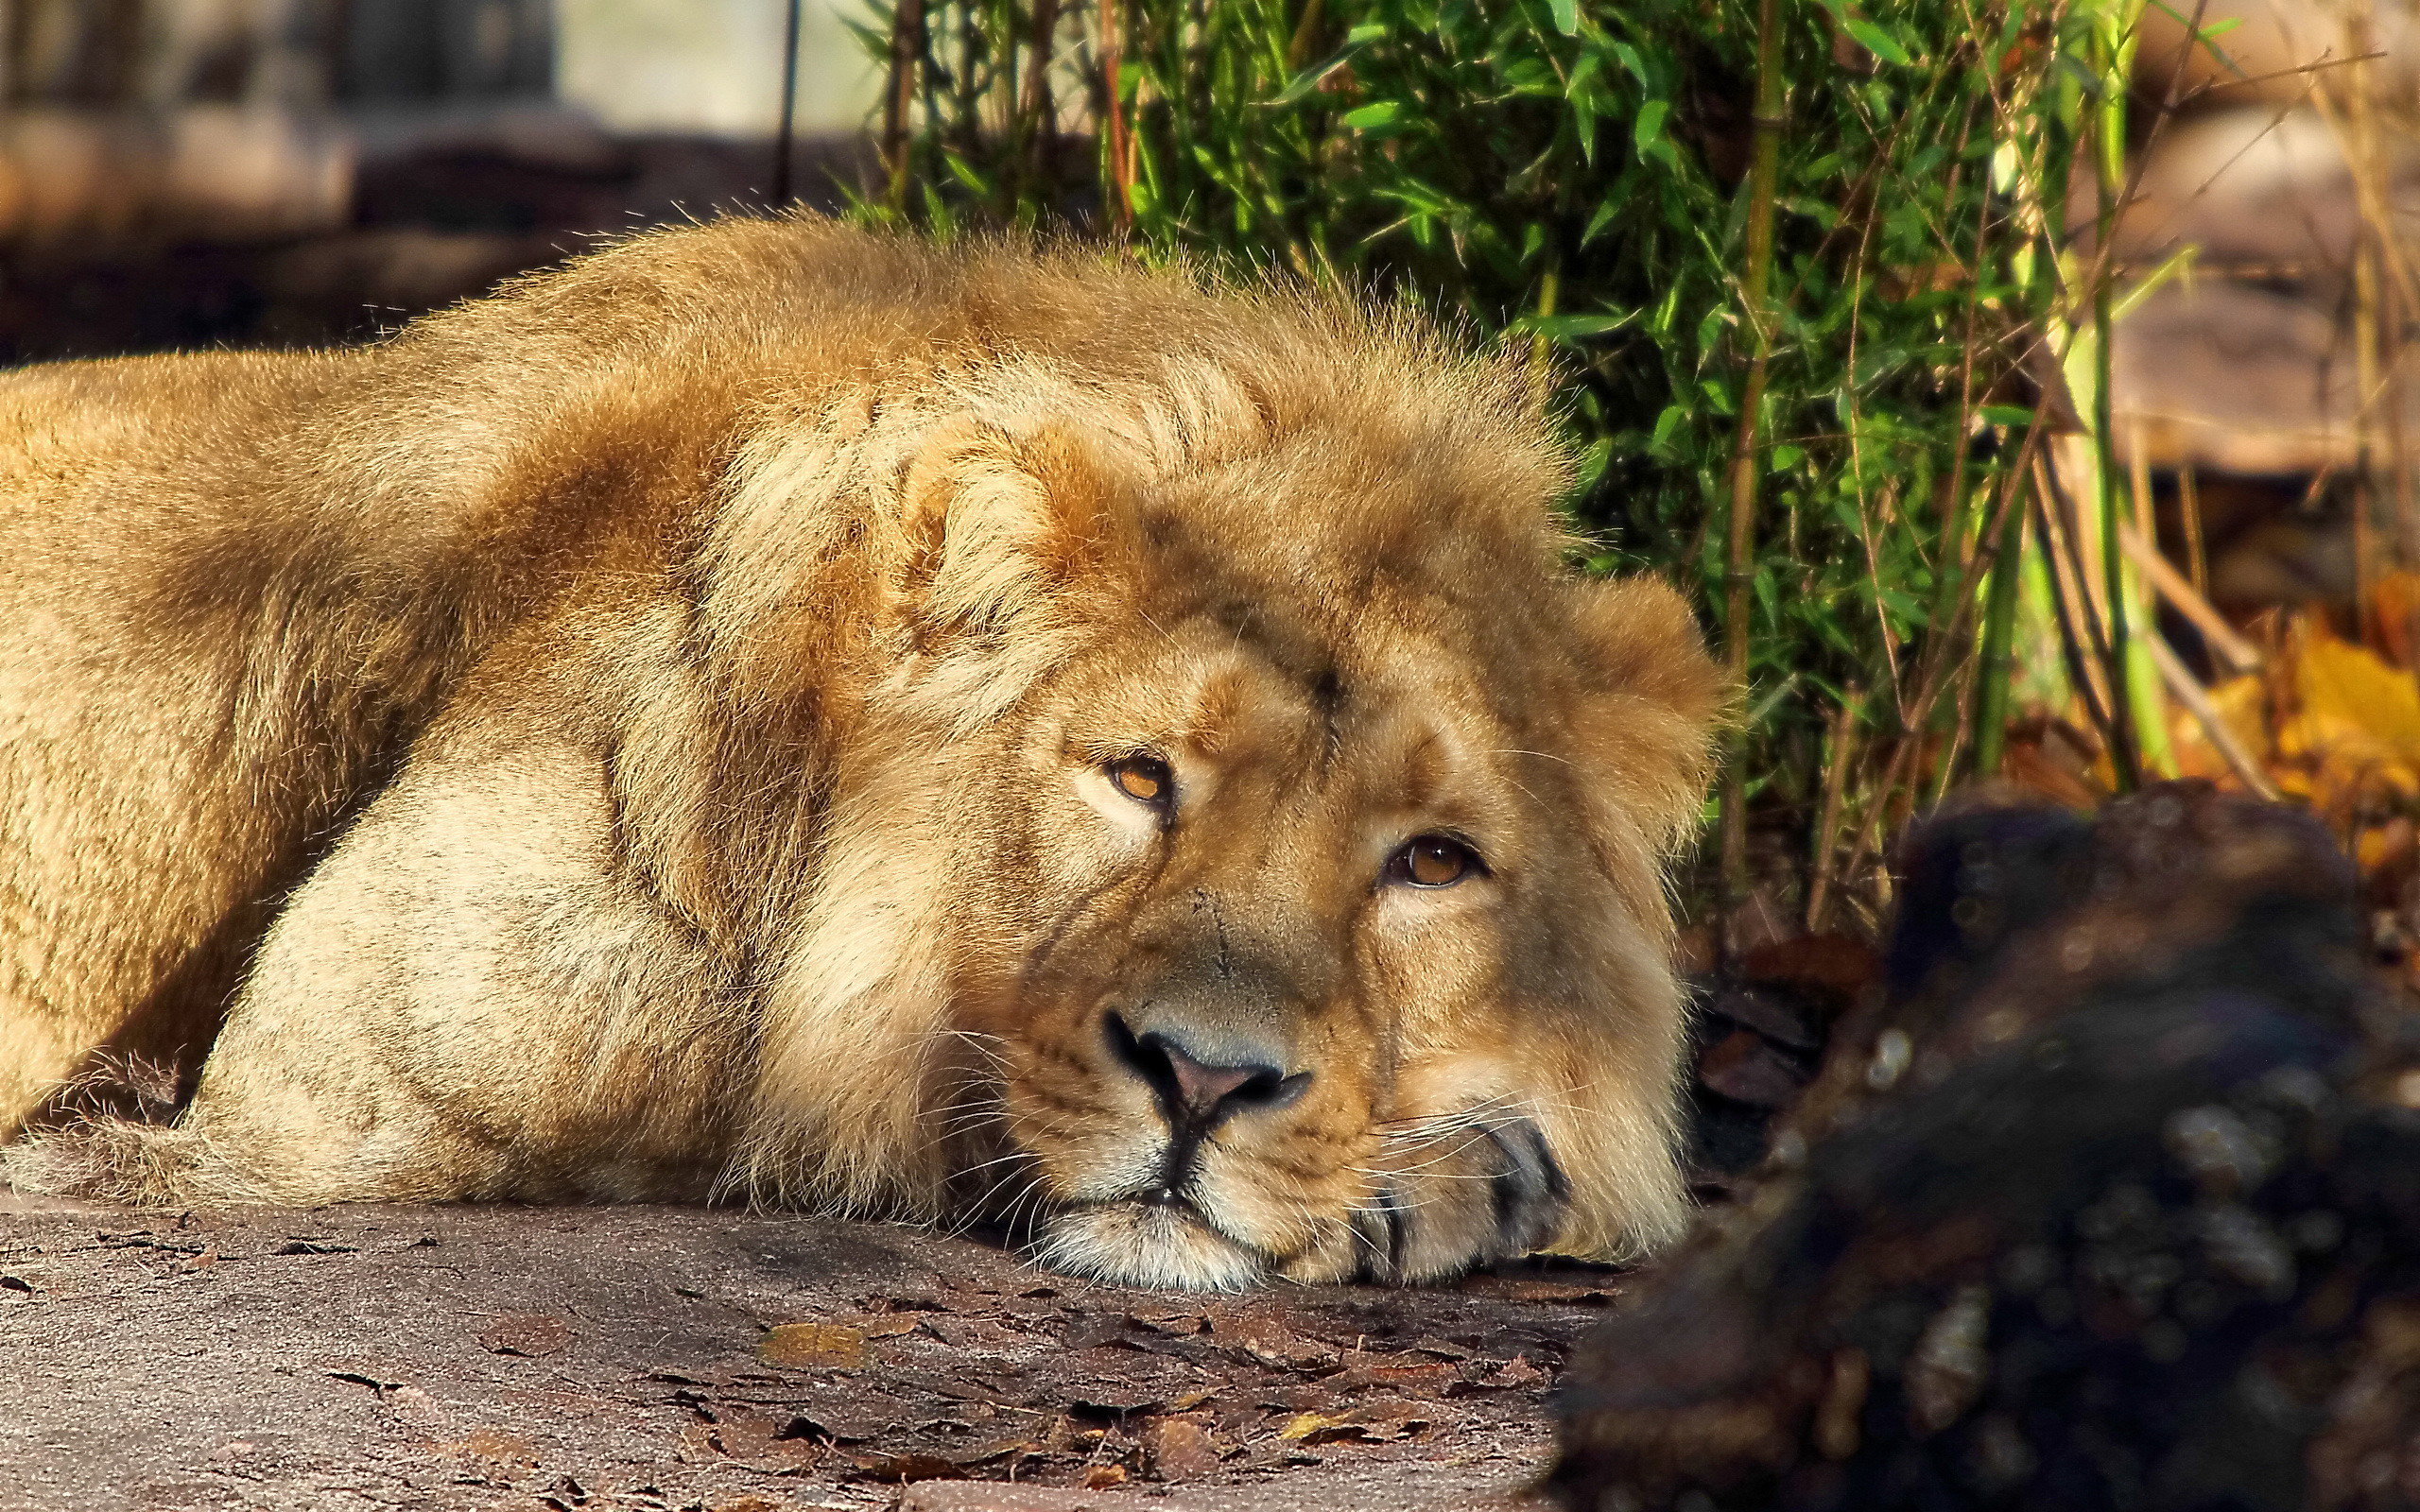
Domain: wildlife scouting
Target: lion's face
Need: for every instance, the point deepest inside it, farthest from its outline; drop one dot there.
(1319, 933)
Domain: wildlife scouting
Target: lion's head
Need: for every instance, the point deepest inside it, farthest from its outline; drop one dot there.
(1278, 819)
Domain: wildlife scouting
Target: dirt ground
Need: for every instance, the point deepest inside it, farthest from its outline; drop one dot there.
(671, 1358)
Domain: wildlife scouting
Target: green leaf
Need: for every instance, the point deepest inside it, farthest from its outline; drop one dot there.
(1572, 327)
(1648, 129)
(964, 173)
(1876, 41)
(1566, 16)
(1372, 116)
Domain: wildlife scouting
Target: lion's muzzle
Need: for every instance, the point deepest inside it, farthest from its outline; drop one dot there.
(1199, 1082)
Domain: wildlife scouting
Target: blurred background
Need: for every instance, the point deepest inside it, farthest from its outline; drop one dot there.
(178, 173)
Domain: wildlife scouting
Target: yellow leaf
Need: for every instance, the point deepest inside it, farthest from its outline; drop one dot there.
(1305, 1424)
(813, 1347)
(2355, 706)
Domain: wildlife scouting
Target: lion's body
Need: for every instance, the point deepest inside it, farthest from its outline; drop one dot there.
(622, 738)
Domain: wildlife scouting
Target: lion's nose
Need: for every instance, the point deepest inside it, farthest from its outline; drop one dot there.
(1198, 1088)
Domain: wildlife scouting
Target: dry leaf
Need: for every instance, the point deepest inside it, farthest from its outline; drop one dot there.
(747, 1434)
(1177, 1449)
(534, 1335)
(1409, 1373)
(492, 1443)
(814, 1347)
(2353, 705)
(1517, 1374)
(1101, 1477)
(2394, 614)
(1269, 1343)
(1378, 1422)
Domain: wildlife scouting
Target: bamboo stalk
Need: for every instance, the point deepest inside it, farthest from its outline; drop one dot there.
(2189, 510)
(2109, 173)
(1997, 649)
(2196, 699)
(2238, 654)
(906, 60)
(1843, 746)
(1764, 172)
(1036, 115)
(1121, 162)
(2079, 626)
(785, 144)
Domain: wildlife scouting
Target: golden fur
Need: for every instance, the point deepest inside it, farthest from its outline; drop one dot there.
(656, 733)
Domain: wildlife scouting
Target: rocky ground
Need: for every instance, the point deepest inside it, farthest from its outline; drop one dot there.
(670, 1358)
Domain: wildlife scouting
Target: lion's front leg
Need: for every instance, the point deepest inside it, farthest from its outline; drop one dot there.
(476, 996)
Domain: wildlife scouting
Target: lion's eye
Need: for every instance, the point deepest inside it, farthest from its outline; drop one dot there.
(1434, 861)
(1144, 778)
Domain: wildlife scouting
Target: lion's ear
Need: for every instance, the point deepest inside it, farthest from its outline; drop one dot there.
(997, 525)
(1655, 703)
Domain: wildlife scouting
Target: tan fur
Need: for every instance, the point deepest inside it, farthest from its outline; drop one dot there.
(641, 736)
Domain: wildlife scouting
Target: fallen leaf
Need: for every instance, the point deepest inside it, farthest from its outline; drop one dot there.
(814, 1347)
(1517, 1374)
(492, 1443)
(1411, 1374)
(746, 1433)
(1321, 1428)
(1380, 1422)
(1101, 1477)
(1266, 1342)
(1177, 1449)
(2353, 704)
(533, 1336)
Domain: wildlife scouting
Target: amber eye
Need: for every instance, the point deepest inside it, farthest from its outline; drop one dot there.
(1434, 861)
(1144, 778)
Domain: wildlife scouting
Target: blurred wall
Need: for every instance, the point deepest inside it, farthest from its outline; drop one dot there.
(710, 65)
(639, 65)
(160, 54)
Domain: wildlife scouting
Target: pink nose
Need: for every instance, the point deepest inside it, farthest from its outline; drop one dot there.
(1201, 1089)
(1196, 1093)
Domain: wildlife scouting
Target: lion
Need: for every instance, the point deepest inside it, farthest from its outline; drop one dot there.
(777, 711)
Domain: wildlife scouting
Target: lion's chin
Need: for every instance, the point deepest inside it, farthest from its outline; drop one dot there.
(1137, 1243)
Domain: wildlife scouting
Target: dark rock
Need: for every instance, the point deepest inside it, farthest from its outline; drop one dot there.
(2113, 1200)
